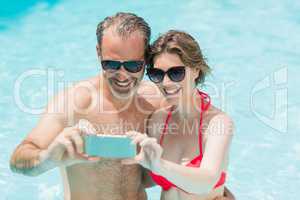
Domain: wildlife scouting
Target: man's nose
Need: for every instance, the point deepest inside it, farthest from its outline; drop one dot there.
(122, 74)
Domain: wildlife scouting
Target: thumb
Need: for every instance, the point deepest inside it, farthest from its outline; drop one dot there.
(86, 127)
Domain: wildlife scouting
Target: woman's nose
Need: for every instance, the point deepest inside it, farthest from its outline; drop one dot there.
(167, 81)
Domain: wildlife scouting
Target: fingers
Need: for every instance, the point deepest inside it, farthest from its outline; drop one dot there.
(75, 136)
(68, 141)
(85, 127)
(150, 147)
(132, 133)
(77, 141)
(138, 139)
(69, 147)
(140, 157)
(148, 141)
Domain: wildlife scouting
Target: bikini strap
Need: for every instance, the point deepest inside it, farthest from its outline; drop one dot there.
(204, 107)
(166, 125)
(205, 96)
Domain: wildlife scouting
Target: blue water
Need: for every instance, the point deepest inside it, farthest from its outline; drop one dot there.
(253, 48)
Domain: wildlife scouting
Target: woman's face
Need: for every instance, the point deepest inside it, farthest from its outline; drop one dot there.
(175, 92)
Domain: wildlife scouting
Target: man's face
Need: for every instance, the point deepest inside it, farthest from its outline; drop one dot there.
(122, 83)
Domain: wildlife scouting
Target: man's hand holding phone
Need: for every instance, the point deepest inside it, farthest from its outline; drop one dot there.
(68, 147)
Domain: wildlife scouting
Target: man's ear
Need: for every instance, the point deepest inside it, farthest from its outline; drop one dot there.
(98, 51)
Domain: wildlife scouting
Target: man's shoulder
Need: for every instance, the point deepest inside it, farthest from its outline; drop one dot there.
(83, 92)
(79, 95)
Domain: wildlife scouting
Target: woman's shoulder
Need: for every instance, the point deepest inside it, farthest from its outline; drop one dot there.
(218, 120)
(214, 111)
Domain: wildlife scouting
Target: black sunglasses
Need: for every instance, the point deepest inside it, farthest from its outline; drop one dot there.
(132, 66)
(176, 74)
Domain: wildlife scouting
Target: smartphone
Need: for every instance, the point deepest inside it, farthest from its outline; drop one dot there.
(109, 146)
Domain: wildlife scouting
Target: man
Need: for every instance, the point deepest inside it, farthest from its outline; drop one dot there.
(110, 104)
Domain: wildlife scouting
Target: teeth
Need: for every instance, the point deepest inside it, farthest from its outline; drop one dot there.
(172, 92)
(123, 84)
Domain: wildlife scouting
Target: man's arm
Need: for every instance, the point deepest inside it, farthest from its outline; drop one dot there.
(29, 158)
(53, 142)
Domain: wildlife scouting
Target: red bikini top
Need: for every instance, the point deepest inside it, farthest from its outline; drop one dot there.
(162, 181)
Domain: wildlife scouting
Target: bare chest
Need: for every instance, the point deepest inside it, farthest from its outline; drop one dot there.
(107, 178)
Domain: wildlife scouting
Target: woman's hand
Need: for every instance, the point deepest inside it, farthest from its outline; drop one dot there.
(150, 153)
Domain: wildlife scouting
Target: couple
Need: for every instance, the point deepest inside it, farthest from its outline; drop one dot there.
(183, 140)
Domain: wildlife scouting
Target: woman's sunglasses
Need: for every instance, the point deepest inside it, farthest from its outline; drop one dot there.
(131, 66)
(176, 74)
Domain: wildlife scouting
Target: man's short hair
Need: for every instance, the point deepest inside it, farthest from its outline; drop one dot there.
(125, 24)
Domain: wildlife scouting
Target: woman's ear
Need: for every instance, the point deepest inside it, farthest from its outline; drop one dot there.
(197, 73)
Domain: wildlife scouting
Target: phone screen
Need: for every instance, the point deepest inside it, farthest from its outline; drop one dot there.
(109, 146)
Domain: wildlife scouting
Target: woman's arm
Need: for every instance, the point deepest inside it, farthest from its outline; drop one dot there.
(193, 180)
(146, 179)
(202, 180)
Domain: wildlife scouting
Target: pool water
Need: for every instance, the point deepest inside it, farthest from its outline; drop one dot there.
(252, 46)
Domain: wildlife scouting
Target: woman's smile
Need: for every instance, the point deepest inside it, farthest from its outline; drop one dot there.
(171, 91)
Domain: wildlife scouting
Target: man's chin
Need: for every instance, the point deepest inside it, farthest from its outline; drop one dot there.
(123, 93)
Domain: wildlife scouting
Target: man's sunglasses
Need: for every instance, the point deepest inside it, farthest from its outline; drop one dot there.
(131, 66)
(176, 74)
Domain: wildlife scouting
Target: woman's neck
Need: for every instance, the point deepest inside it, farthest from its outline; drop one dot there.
(190, 106)
(186, 115)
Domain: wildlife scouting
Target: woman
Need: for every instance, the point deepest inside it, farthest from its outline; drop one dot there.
(187, 151)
